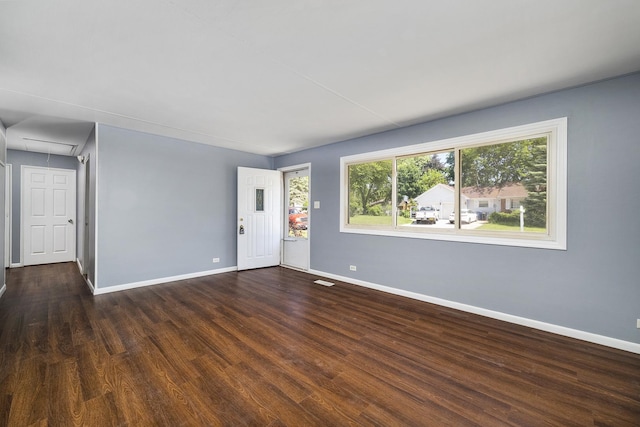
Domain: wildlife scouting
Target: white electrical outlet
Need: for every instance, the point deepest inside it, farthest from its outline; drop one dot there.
(638, 323)
(216, 260)
(352, 268)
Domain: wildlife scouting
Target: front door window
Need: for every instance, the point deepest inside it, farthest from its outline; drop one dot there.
(298, 202)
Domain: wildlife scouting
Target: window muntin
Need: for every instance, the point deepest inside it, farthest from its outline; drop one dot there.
(450, 226)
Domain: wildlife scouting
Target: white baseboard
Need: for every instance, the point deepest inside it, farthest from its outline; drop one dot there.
(15, 265)
(126, 286)
(523, 321)
(293, 268)
(90, 285)
(3, 289)
(86, 279)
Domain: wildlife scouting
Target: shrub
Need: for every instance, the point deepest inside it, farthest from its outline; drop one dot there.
(354, 209)
(375, 210)
(535, 218)
(505, 218)
(531, 219)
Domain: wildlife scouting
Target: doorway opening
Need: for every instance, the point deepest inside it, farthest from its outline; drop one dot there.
(295, 248)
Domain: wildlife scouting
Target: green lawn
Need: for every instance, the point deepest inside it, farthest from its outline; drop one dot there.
(376, 220)
(500, 227)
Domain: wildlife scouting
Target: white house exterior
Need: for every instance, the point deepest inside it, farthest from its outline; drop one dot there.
(440, 197)
(495, 199)
(477, 199)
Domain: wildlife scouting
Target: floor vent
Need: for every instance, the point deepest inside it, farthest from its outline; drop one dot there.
(324, 283)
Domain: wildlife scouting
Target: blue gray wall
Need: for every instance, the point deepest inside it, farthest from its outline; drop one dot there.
(17, 159)
(166, 207)
(594, 286)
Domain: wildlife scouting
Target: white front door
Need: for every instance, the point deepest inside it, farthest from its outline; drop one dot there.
(295, 250)
(48, 215)
(259, 217)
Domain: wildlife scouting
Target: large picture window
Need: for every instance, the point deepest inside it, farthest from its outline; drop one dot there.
(503, 187)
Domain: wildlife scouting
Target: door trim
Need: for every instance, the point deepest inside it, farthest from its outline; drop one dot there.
(8, 215)
(86, 247)
(285, 210)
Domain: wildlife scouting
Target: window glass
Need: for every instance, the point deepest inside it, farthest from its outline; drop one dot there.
(370, 191)
(259, 200)
(418, 199)
(501, 173)
(298, 202)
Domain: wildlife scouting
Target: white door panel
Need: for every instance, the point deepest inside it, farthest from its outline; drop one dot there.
(60, 243)
(48, 215)
(37, 202)
(59, 202)
(259, 218)
(37, 239)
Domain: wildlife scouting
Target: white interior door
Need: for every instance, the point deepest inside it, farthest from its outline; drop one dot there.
(295, 250)
(259, 217)
(48, 215)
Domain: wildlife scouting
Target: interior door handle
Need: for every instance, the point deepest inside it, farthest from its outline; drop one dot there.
(70, 221)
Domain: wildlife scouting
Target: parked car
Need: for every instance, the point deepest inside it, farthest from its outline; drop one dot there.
(466, 216)
(427, 214)
(297, 219)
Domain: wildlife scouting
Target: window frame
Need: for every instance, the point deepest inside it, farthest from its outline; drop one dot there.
(554, 238)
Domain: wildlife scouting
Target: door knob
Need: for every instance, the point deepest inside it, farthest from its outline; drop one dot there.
(70, 221)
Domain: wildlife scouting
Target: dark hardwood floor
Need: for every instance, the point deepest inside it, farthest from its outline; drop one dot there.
(269, 348)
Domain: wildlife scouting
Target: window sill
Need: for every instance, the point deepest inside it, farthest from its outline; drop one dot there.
(532, 240)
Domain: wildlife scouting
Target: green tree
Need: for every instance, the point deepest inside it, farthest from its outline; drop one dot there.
(299, 191)
(431, 162)
(417, 174)
(409, 173)
(369, 184)
(449, 167)
(431, 178)
(535, 181)
(499, 164)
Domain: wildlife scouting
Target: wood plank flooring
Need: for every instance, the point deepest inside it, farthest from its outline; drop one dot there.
(269, 348)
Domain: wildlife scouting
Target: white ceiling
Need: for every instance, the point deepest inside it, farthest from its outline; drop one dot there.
(278, 76)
